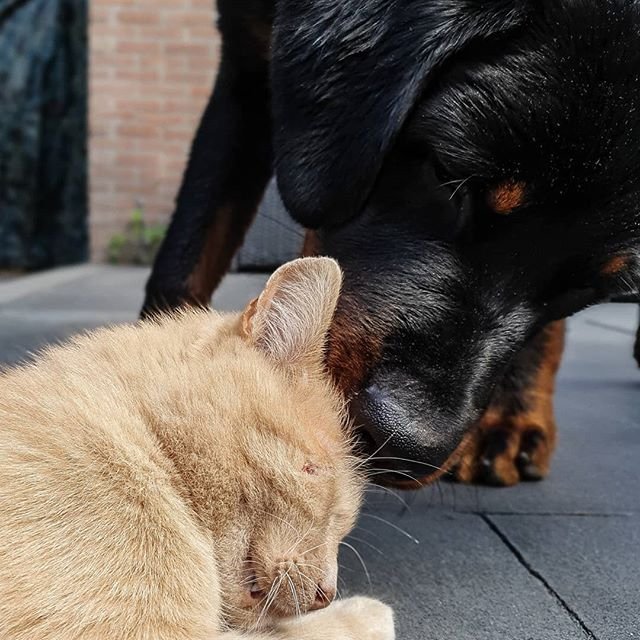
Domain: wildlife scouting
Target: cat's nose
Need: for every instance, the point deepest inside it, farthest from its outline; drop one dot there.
(325, 595)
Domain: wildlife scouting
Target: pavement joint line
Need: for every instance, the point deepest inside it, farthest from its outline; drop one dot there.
(539, 577)
(610, 327)
(555, 514)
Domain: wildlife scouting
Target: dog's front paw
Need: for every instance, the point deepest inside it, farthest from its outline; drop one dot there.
(503, 453)
(352, 619)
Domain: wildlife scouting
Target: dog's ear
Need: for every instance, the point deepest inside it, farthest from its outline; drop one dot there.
(291, 318)
(345, 75)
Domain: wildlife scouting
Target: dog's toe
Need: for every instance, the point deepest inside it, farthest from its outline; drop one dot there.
(505, 454)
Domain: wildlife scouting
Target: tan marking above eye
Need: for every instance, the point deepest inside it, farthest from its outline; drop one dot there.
(615, 265)
(507, 196)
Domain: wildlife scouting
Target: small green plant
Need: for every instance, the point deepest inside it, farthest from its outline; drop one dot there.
(139, 242)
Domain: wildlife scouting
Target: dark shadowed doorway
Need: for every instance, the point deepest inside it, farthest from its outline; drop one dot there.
(43, 133)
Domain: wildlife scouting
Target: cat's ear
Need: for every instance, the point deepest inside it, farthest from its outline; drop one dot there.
(291, 318)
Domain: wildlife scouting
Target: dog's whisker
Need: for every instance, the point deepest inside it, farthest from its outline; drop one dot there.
(460, 186)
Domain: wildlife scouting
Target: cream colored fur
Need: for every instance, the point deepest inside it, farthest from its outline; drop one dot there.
(153, 476)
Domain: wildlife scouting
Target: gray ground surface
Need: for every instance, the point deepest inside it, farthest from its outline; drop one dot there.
(557, 560)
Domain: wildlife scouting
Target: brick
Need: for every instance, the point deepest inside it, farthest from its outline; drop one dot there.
(138, 16)
(152, 68)
(138, 46)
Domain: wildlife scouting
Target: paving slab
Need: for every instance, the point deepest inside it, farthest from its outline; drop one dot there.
(593, 563)
(554, 560)
(459, 583)
(49, 307)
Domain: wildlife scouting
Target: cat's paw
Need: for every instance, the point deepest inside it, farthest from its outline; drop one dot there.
(351, 619)
(365, 617)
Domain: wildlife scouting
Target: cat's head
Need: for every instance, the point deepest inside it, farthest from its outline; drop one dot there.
(301, 488)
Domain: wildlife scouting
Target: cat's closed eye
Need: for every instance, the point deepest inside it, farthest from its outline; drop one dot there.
(310, 468)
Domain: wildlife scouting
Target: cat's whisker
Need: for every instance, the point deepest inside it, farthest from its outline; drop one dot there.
(269, 598)
(294, 593)
(323, 593)
(418, 462)
(322, 544)
(379, 471)
(273, 515)
(303, 577)
(378, 450)
(392, 525)
(340, 582)
(303, 537)
(266, 602)
(362, 529)
(357, 554)
(250, 563)
(229, 608)
(396, 472)
(361, 541)
(380, 489)
(293, 546)
(308, 564)
(310, 527)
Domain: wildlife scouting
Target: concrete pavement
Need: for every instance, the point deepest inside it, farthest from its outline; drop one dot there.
(555, 560)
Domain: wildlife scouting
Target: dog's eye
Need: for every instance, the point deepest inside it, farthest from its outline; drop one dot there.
(445, 179)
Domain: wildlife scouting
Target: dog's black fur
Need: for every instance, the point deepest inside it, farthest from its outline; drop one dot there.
(394, 124)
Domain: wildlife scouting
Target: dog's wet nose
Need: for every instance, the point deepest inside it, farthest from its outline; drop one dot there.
(410, 445)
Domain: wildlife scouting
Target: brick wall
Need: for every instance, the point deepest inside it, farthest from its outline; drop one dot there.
(152, 64)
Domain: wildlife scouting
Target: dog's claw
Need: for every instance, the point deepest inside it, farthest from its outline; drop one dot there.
(504, 455)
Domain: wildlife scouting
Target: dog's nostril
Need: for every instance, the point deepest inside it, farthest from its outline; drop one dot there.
(324, 597)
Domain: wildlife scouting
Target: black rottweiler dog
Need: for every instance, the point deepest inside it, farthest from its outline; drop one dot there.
(472, 164)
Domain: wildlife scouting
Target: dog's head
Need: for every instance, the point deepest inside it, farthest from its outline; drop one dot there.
(474, 165)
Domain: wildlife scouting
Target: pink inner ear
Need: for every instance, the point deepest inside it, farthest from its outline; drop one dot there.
(310, 468)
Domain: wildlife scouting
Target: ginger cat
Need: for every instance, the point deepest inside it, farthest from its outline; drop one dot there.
(184, 479)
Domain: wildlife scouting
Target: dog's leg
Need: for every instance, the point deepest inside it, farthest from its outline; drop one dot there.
(228, 170)
(516, 437)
